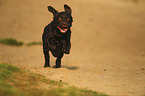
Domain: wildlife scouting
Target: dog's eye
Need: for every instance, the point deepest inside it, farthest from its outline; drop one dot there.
(59, 19)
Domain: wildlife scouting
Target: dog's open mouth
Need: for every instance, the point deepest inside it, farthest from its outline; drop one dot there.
(62, 30)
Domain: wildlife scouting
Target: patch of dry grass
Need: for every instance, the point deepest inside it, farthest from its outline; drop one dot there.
(17, 82)
(11, 41)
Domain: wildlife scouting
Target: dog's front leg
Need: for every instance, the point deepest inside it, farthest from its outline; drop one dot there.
(66, 46)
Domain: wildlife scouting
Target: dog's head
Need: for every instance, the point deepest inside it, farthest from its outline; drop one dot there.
(62, 20)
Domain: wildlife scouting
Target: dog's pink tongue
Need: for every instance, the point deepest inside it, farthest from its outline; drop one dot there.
(65, 29)
(62, 30)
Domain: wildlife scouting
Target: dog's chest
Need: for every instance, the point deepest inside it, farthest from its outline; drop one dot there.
(58, 41)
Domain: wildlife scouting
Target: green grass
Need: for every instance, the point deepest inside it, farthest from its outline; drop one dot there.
(11, 41)
(17, 82)
(34, 43)
(14, 42)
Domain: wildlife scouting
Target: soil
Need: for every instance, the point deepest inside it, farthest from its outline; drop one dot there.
(108, 43)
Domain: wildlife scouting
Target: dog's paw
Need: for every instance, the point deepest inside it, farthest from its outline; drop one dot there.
(66, 51)
(46, 65)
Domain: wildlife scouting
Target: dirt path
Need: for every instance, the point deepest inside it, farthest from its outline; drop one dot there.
(108, 49)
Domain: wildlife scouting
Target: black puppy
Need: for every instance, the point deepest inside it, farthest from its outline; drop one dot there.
(56, 36)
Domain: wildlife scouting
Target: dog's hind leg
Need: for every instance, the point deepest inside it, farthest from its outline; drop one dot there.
(46, 51)
(58, 60)
(47, 58)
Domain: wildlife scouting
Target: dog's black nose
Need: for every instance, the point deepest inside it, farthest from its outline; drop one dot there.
(64, 24)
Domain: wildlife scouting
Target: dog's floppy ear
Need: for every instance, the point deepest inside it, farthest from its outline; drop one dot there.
(51, 9)
(67, 9)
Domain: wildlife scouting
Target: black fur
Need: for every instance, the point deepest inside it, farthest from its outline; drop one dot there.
(56, 36)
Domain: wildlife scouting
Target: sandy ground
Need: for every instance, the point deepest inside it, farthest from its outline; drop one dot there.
(108, 43)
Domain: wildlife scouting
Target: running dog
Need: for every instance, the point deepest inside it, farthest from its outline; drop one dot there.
(57, 34)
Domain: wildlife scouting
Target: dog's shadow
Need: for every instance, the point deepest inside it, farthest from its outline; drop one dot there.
(69, 68)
